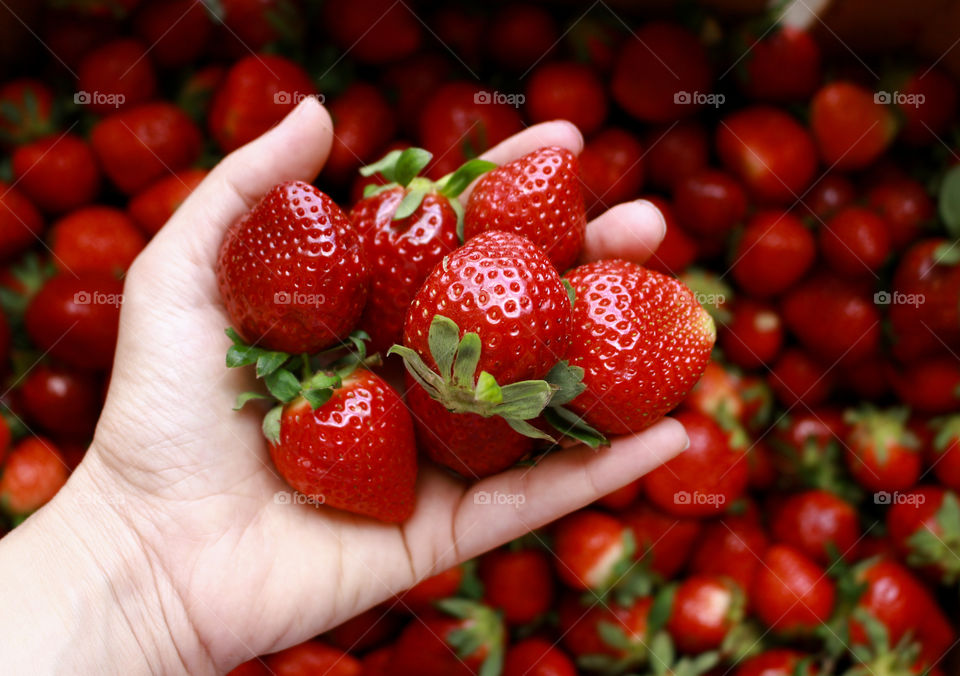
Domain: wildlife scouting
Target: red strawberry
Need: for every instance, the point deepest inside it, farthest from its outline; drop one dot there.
(195, 95)
(625, 317)
(258, 92)
(614, 630)
(819, 524)
(704, 610)
(905, 206)
(404, 246)
(675, 152)
(945, 459)
(883, 454)
(95, 239)
(64, 403)
(655, 69)
(851, 128)
(593, 550)
(731, 547)
(25, 111)
(677, 249)
(709, 203)
(32, 475)
(254, 667)
(76, 319)
(797, 377)
(514, 198)
(927, 278)
(566, 91)
(621, 498)
(663, 542)
(776, 662)
(116, 75)
(537, 657)
(808, 445)
(734, 400)
(791, 594)
(374, 31)
(312, 657)
(425, 593)
(928, 385)
(611, 169)
(924, 524)
(138, 145)
(773, 253)
(410, 82)
(754, 335)
(153, 206)
(256, 24)
(929, 105)
(769, 151)
(366, 631)
(521, 34)
(177, 30)
(830, 193)
(20, 222)
(460, 638)
(517, 582)
(855, 242)
(292, 271)
(58, 173)
(768, 59)
(703, 480)
(362, 124)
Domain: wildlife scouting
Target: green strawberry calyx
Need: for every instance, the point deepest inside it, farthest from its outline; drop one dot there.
(291, 378)
(401, 168)
(482, 633)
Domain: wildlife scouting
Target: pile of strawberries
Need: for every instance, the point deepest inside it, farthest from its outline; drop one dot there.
(422, 306)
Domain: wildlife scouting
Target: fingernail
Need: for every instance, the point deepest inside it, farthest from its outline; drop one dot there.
(686, 444)
(648, 205)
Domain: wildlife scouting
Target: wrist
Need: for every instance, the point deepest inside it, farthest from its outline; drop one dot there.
(92, 595)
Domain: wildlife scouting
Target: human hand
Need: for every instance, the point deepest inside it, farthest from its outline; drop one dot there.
(192, 528)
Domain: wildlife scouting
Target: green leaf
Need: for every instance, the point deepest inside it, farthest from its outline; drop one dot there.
(467, 360)
(660, 609)
(528, 430)
(317, 398)
(443, 340)
(568, 381)
(242, 355)
(409, 204)
(322, 380)
(283, 385)
(458, 210)
(244, 397)
(420, 372)
(614, 636)
(454, 184)
(271, 424)
(488, 390)
(950, 201)
(268, 362)
(571, 292)
(458, 608)
(524, 400)
(385, 166)
(409, 163)
(571, 425)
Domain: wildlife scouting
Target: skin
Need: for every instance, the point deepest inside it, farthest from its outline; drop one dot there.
(167, 546)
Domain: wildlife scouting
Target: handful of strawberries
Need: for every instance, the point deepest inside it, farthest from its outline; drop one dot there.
(508, 347)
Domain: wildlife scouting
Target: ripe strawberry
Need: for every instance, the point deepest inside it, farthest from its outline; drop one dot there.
(428, 591)
(593, 550)
(517, 582)
(366, 631)
(675, 152)
(769, 151)
(855, 242)
(704, 609)
(537, 657)
(459, 638)
(258, 92)
(666, 325)
(769, 57)
(928, 385)
(663, 60)
(791, 593)
(709, 203)
(117, 75)
(819, 524)
(808, 443)
(611, 169)
(253, 667)
(905, 206)
(663, 542)
(520, 35)
(374, 31)
(312, 657)
(621, 498)
(571, 91)
(851, 129)
(64, 403)
(773, 253)
(462, 30)
(945, 458)
(924, 524)
(362, 124)
(20, 222)
(514, 198)
(677, 249)
(138, 145)
(407, 227)
(410, 82)
(32, 475)
(458, 122)
(734, 400)
(936, 97)
(827, 195)
(754, 335)
(256, 24)
(153, 206)
(775, 662)
(703, 480)
(95, 239)
(195, 95)
(796, 377)
(76, 319)
(58, 173)
(26, 107)
(883, 454)
(732, 547)
(292, 271)
(928, 277)
(177, 30)
(613, 630)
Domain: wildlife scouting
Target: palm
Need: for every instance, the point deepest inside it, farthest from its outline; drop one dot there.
(256, 575)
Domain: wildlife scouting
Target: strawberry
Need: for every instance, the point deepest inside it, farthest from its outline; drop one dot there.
(514, 197)
(537, 657)
(593, 550)
(663, 542)
(64, 403)
(677, 249)
(26, 111)
(363, 123)
(829, 194)
(95, 239)
(425, 593)
(258, 91)
(254, 667)
(732, 547)
(256, 24)
(855, 242)
(936, 96)
(769, 57)
(709, 203)
(703, 611)
(374, 31)
(76, 319)
(521, 35)
(58, 173)
(410, 82)
(928, 278)
(292, 271)
(850, 127)
(459, 638)
(615, 631)
(776, 662)
(611, 169)
(945, 459)
(769, 151)
(153, 206)
(905, 206)
(883, 454)
(177, 30)
(140, 144)
(754, 335)
(676, 151)
(566, 91)
(808, 443)
(312, 657)
(797, 377)
(366, 631)
(663, 60)
(791, 593)
(621, 498)
(196, 93)
(407, 226)
(665, 324)
(774, 252)
(116, 75)
(32, 475)
(734, 400)
(518, 582)
(928, 385)
(20, 222)
(924, 524)
(819, 524)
